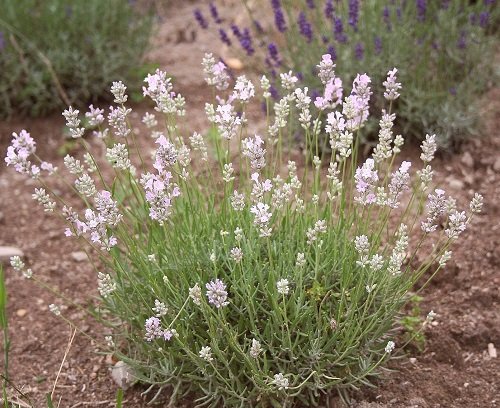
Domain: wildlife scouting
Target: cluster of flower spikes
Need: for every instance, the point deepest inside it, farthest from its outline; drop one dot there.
(266, 195)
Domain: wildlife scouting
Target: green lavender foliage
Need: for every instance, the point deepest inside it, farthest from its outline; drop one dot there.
(328, 333)
(54, 52)
(412, 323)
(446, 60)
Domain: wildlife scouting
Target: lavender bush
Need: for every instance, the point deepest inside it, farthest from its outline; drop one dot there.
(228, 272)
(443, 49)
(54, 52)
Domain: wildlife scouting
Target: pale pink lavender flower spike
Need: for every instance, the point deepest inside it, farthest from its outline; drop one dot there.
(216, 293)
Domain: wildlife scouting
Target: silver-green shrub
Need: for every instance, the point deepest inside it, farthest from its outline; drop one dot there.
(231, 273)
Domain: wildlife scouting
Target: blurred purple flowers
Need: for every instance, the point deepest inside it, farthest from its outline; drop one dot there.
(198, 15)
(305, 27)
(353, 13)
(279, 18)
(421, 9)
(338, 30)
(223, 37)
(359, 51)
(215, 13)
(329, 10)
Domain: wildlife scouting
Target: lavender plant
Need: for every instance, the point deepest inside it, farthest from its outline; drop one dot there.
(444, 52)
(54, 53)
(228, 271)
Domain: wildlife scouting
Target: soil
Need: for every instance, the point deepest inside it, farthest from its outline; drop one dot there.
(454, 369)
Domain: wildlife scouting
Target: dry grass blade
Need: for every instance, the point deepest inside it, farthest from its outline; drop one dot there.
(68, 347)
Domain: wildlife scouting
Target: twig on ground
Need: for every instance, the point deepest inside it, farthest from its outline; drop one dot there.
(68, 347)
(83, 403)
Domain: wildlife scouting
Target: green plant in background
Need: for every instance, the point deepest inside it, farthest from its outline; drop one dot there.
(444, 51)
(412, 323)
(54, 53)
(228, 272)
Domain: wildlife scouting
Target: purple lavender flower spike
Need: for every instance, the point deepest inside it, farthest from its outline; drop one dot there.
(338, 30)
(329, 9)
(200, 19)
(378, 45)
(246, 42)
(473, 18)
(223, 36)
(387, 17)
(274, 54)
(305, 27)
(310, 4)
(333, 53)
(236, 31)
(359, 51)
(421, 9)
(279, 18)
(353, 13)
(484, 19)
(214, 12)
(453, 91)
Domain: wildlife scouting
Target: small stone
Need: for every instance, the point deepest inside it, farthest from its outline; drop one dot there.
(21, 312)
(79, 256)
(234, 63)
(466, 385)
(418, 403)
(467, 159)
(492, 351)
(413, 360)
(496, 165)
(122, 375)
(7, 251)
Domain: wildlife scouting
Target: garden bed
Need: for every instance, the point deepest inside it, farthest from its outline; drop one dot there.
(454, 370)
